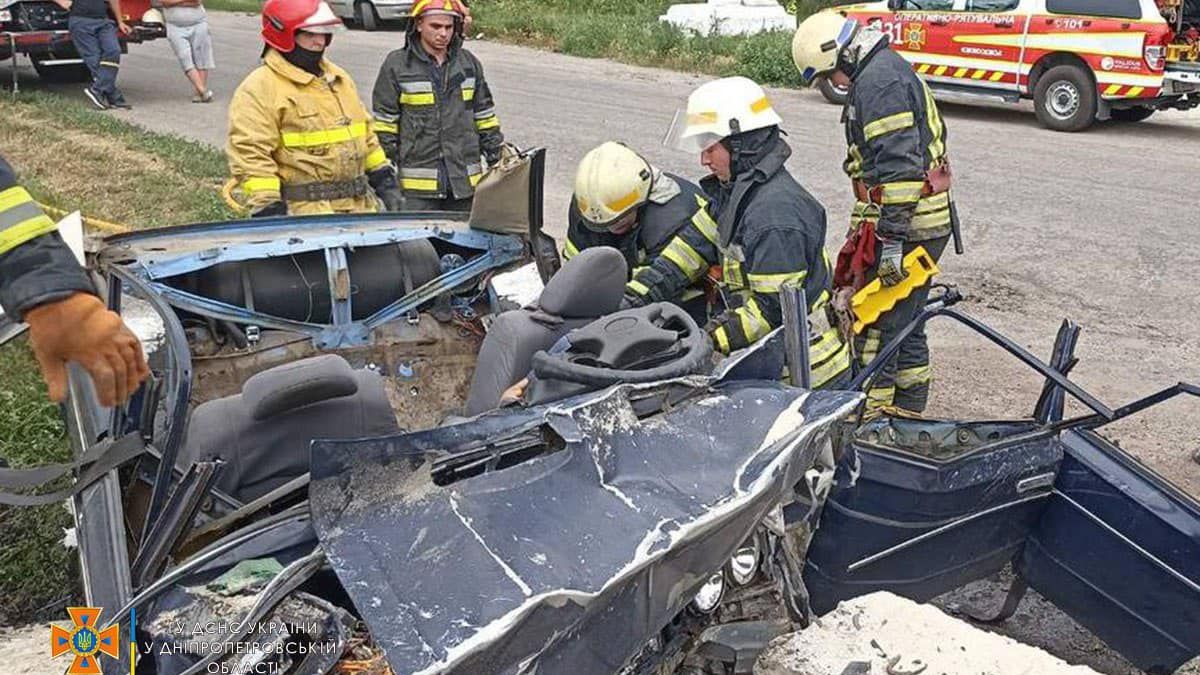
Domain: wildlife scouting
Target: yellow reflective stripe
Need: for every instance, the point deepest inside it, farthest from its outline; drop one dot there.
(902, 192)
(907, 378)
(760, 105)
(825, 372)
(308, 139)
(468, 94)
(771, 283)
(685, 257)
(638, 287)
(961, 72)
(1112, 89)
(879, 397)
(260, 184)
(886, 125)
(487, 123)
(934, 202)
(386, 127)
(731, 272)
(870, 346)
(14, 236)
(937, 147)
(419, 184)
(110, 64)
(376, 159)
(1135, 92)
(416, 98)
(14, 196)
(824, 346)
(921, 221)
(704, 222)
(620, 204)
(474, 178)
(854, 160)
(722, 339)
(570, 250)
(754, 325)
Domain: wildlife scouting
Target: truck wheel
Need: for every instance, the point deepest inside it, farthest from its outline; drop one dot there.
(366, 16)
(832, 92)
(1135, 114)
(66, 73)
(1065, 99)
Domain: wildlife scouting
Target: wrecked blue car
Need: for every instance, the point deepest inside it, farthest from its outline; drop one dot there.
(326, 472)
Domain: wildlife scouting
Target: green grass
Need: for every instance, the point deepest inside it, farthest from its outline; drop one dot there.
(252, 6)
(630, 32)
(74, 158)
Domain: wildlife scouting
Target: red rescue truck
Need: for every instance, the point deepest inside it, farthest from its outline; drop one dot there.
(38, 29)
(1078, 60)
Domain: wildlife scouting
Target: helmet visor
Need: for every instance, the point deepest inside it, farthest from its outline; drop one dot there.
(693, 131)
(322, 21)
(619, 225)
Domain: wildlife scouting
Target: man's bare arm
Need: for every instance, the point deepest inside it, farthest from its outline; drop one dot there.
(115, 6)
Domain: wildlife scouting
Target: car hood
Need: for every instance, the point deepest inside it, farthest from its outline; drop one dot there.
(572, 560)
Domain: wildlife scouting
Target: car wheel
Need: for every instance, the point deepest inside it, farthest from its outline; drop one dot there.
(366, 16)
(832, 92)
(1065, 99)
(1135, 114)
(62, 74)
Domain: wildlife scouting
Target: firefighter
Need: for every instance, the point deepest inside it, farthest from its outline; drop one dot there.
(300, 141)
(901, 179)
(770, 230)
(622, 201)
(434, 111)
(43, 285)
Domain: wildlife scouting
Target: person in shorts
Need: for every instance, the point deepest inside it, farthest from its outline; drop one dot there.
(187, 31)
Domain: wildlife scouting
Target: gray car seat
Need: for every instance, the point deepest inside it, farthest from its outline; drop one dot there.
(588, 286)
(263, 434)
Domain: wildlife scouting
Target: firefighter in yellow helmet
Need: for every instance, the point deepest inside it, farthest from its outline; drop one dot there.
(897, 163)
(623, 201)
(300, 141)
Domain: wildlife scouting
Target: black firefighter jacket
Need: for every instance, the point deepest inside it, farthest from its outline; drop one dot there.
(895, 136)
(434, 122)
(35, 265)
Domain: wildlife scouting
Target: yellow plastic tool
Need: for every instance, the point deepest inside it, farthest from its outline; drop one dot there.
(872, 300)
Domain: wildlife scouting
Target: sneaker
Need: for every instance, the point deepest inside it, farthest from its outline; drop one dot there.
(96, 99)
(206, 97)
(119, 101)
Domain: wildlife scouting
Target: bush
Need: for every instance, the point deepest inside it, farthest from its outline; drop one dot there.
(767, 59)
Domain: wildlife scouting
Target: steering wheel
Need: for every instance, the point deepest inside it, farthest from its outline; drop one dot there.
(656, 342)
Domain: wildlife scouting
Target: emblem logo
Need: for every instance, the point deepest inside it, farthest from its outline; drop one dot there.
(914, 36)
(85, 641)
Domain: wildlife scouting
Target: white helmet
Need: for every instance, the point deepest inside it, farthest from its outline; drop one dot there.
(721, 108)
(611, 181)
(819, 41)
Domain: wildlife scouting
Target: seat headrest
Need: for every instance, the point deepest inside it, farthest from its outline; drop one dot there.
(589, 285)
(298, 384)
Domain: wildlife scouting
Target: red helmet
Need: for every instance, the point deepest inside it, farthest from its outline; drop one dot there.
(282, 18)
(452, 7)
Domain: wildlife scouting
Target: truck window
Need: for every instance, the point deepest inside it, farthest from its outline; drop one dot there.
(1120, 9)
(992, 5)
(928, 5)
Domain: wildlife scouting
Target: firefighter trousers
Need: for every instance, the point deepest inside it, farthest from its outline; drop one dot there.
(97, 43)
(904, 381)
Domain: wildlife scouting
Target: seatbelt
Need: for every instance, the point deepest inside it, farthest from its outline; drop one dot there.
(99, 459)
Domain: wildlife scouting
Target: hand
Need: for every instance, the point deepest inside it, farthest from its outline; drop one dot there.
(514, 393)
(124, 28)
(79, 328)
(891, 262)
(631, 301)
(467, 20)
(392, 198)
(272, 209)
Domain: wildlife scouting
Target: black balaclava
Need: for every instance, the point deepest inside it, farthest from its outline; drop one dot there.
(746, 149)
(306, 59)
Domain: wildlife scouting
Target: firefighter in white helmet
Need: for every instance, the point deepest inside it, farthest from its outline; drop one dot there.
(623, 201)
(770, 230)
(901, 178)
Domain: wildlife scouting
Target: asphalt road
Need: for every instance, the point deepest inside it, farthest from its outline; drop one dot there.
(1102, 227)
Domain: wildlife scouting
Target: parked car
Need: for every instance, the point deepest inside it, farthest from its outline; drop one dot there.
(372, 14)
(1077, 60)
(643, 510)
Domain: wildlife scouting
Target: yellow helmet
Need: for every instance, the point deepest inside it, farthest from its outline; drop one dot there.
(818, 43)
(721, 108)
(611, 181)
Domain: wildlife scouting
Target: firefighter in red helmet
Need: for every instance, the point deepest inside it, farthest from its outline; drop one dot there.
(300, 140)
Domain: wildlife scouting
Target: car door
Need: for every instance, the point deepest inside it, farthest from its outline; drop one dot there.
(1118, 548)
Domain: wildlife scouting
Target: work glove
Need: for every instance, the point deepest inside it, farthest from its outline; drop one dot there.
(891, 262)
(272, 209)
(631, 301)
(79, 328)
(493, 155)
(383, 182)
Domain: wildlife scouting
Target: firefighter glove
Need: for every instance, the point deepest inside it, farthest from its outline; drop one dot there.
(891, 262)
(383, 182)
(78, 328)
(272, 209)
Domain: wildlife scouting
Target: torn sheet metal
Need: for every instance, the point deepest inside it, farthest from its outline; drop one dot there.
(571, 561)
